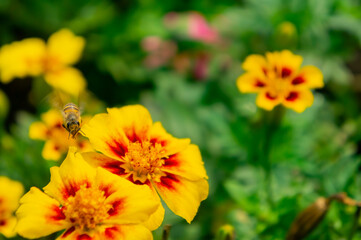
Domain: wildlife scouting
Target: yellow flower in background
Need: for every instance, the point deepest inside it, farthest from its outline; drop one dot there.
(33, 57)
(135, 148)
(279, 79)
(57, 140)
(87, 203)
(10, 193)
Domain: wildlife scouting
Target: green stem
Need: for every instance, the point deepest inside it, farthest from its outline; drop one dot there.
(272, 122)
(355, 223)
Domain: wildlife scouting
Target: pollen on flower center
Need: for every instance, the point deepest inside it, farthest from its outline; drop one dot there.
(87, 208)
(144, 160)
(279, 87)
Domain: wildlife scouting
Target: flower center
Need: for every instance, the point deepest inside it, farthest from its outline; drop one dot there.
(144, 160)
(87, 208)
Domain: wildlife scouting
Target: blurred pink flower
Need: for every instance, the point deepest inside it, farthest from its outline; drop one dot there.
(199, 29)
(160, 51)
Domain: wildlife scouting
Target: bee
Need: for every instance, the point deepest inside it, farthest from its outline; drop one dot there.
(72, 120)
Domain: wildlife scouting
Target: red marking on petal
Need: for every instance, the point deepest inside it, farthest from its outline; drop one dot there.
(265, 71)
(137, 182)
(116, 207)
(131, 135)
(2, 222)
(107, 190)
(163, 143)
(83, 237)
(270, 97)
(172, 161)
(58, 125)
(58, 214)
(68, 232)
(56, 147)
(298, 80)
(292, 96)
(259, 84)
(286, 72)
(168, 181)
(118, 148)
(109, 232)
(72, 187)
(114, 167)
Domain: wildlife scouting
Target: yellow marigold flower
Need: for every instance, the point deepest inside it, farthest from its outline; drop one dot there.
(10, 193)
(57, 139)
(279, 79)
(134, 147)
(87, 203)
(33, 57)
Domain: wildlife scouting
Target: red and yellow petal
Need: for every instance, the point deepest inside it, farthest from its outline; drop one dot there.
(7, 227)
(126, 208)
(70, 176)
(187, 163)
(51, 151)
(181, 195)
(255, 63)
(109, 232)
(251, 82)
(267, 101)
(134, 120)
(308, 77)
(106, 136)
(110, 164)
(285, 62)
(39, 215)
(170, 144)
(298, 100)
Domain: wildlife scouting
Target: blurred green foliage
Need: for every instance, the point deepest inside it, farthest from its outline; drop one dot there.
(193, 93)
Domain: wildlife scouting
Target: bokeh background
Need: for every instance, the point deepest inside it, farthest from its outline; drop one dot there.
(181, 60)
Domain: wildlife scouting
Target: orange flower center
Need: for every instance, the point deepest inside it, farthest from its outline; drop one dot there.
(144, 160)
(87, 209)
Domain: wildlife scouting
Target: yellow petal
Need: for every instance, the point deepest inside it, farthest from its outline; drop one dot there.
(187, 163)
(266, 101)
(126, 208)
(254, 63)
(55, 188)
(52, 117)
(182, 196)
(251, 82)
(285, 63)
(156, 219)
(39, 215)
(126, 232)
(51, 151)
(65, 46)
(7, 227)
(69, 80)
(171, 144)
(10, 193)
(299, 100)
(106, 136)
(38, 130)
(309, 77)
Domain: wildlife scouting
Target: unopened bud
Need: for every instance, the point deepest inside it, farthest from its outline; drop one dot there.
(226, 232)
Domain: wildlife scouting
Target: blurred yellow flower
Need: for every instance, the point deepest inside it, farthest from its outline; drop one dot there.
(279, 79)
(135, 148)
(87, 203)
(10, 193)
(57, 139)
(33, 57)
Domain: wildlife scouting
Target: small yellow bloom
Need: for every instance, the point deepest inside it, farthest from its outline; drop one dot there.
(57, 139)
(87, 203)
(10, 193)
(135, 148)
(33, 57)
(279, 79)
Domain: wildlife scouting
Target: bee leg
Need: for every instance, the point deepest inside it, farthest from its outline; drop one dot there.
(63, 125)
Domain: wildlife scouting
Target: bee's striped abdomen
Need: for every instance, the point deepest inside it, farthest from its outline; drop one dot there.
(70, 107)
